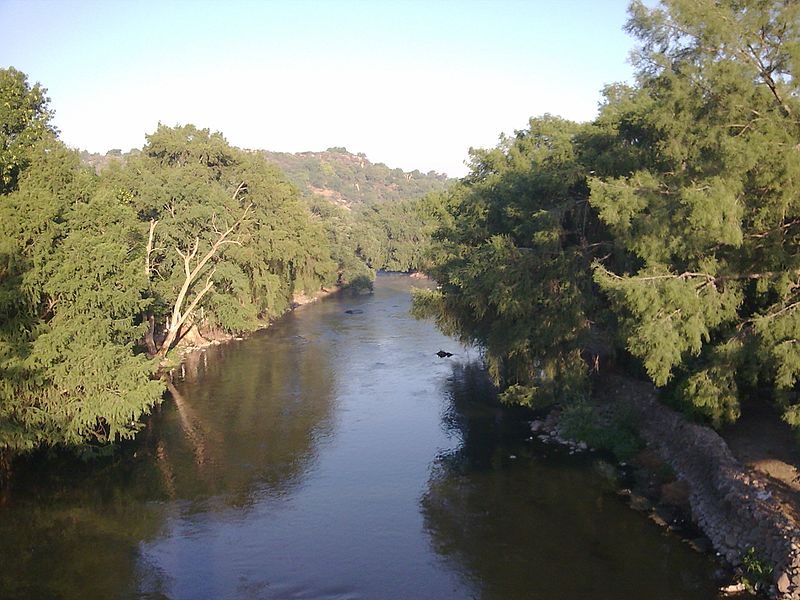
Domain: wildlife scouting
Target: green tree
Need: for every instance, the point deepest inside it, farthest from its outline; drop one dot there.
(226, 241)
(513, 262)
(70, 301)
(671, 220)
(24, 120)
(97, 272)
(707, 203)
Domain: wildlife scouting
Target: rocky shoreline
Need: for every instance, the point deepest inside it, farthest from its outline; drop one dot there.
(687, 480)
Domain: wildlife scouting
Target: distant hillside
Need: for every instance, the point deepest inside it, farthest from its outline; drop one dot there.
(335, 174)
(347, 178)
(101, 161)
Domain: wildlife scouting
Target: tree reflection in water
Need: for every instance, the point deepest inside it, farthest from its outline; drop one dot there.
(516, 522)
(242, 427)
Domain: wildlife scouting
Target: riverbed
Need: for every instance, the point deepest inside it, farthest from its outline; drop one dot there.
(336, 456)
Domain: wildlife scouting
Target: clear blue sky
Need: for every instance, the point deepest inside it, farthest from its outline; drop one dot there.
(412, 84)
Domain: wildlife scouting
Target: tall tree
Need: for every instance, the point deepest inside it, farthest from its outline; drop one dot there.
(70, 300)
(513, 262)
(709, 210)
(24, 120)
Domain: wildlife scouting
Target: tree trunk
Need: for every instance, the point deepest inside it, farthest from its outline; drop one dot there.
(149, 339)
(179, 314)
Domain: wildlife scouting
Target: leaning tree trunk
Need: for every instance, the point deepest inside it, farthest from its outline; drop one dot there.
(179, 313)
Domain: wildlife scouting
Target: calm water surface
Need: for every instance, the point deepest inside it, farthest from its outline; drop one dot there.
(335, 456)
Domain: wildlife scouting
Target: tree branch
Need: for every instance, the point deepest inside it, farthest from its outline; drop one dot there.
(149, 249)
(179, 316)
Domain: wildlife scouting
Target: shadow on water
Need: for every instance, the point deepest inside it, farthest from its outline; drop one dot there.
(519, 520)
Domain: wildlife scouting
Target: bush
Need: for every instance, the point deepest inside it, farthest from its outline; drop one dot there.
(618, 434)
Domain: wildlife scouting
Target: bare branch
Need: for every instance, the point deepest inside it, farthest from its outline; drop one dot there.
(179, 316)
(206, 288)
(149, 250)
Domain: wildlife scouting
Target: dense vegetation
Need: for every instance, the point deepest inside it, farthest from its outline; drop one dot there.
(351, 179)
(376, 218)
(664, 234)
(102, 274)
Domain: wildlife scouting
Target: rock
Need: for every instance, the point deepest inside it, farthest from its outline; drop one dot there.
(640, 503)
(443, 354)
(667, 513)
(736, 588)
(701, 544)
(658, 520)
(783, 583)
(624, 492)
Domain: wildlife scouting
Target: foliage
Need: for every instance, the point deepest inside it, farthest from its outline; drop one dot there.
(513, 265)
(665, 230)
(706, 213)
(757, 572)
(95, 267)
(396, 236)
(581, 421)
(362, 284)
(24, 120)
(193, 186)
(70, 302)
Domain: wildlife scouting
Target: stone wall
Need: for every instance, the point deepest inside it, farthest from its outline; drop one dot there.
(736, 508)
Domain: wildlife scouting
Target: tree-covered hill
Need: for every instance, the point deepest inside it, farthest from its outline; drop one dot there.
(348, 179)
(337, 175)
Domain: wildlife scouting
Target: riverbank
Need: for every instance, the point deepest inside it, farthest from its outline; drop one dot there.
(688, 469)
(197, 341)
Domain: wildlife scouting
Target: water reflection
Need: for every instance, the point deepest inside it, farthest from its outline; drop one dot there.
(246, 421)
(517, 525)
(243, 426)
(303, 464)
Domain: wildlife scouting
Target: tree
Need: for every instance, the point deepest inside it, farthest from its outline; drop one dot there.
(708, 208)
(193, 266)
(188, 233)
(24, 120)
(513, 263)
(206, 208)
(672, 219)
(71, 296)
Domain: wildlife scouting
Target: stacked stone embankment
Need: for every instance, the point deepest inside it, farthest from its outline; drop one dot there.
(736, 508)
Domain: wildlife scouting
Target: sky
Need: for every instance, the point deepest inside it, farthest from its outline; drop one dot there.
(413, 84)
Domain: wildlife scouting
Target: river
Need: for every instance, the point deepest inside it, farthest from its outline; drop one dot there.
(336, 456)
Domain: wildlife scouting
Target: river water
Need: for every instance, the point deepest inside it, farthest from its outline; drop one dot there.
(335, 456)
